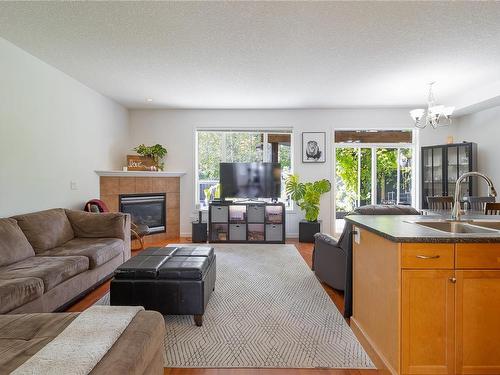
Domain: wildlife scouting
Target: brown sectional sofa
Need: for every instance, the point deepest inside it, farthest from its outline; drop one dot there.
(49, 258)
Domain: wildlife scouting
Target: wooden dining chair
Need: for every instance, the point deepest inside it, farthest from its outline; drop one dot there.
(478, 203)
(440, 203)
(492, 209)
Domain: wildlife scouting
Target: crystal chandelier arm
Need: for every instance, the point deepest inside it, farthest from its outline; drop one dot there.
(430, 98)
(448, 111)
(418, 115)
(434, 114)
(420, 124)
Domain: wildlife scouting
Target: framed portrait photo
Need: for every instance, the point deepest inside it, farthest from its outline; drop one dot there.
(313, 147)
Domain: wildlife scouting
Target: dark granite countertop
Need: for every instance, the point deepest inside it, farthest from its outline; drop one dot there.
(397, 228)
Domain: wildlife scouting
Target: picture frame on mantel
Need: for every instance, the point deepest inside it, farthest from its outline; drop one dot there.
(140, 163)
(313, 147)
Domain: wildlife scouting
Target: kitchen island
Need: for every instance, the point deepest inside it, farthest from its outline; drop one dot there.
(426, 293)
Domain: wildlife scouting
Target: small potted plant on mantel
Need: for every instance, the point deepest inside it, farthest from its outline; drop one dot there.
(307, 196)
(156, 153)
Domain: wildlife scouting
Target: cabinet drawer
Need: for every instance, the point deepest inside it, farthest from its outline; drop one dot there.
(478, 255)
(427, 255)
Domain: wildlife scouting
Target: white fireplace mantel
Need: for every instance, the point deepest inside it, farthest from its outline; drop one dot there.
(139, 174)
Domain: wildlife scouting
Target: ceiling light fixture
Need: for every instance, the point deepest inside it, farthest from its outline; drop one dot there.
(149, 100)
(434, 114)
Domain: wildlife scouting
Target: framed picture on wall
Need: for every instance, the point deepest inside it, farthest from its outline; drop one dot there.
(313, 147)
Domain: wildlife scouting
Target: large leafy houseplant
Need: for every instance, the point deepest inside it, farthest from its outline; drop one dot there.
(307, 195)
(156, 152)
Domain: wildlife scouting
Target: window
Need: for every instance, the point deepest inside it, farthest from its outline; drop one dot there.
(245, 146)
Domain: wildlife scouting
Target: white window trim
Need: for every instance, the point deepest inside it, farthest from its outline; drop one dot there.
(265, 131)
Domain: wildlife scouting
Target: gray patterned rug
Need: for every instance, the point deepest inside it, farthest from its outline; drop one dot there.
(267, 310)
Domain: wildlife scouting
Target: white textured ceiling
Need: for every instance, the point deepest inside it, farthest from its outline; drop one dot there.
(264, 54)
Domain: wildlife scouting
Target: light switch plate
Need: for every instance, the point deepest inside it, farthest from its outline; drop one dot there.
(357, 236)
(73, 185)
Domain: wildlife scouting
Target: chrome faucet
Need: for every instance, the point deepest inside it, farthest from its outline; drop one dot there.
(456, 213)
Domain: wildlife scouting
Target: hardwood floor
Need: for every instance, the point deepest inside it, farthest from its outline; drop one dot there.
(305, 250)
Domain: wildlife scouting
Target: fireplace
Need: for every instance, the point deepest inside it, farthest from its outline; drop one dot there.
(146, 209)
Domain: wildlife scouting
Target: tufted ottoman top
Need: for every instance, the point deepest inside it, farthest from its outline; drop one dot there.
(185, 268)
(195, 251)
(186, 263)
(140, 267)
(158, 251)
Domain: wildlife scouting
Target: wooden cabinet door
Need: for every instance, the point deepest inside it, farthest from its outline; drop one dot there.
(478, 322)
(427, 318)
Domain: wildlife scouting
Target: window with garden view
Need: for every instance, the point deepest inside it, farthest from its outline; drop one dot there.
(372, 167)
(217, 146)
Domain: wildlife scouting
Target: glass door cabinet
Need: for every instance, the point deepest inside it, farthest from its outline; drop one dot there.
(441, 167)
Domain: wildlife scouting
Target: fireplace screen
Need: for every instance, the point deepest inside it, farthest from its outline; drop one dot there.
(148, 209)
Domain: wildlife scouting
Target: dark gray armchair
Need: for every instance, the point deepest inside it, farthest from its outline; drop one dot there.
(332, 259)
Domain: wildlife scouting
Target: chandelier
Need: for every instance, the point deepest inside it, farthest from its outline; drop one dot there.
(435, 115)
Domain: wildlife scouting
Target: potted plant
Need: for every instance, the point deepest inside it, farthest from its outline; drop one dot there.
(307, 196)
(156, 152)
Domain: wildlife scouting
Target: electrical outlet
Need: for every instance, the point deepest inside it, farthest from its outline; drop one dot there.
(73, 185)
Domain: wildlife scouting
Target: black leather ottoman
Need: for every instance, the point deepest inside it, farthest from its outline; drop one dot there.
(173, 281)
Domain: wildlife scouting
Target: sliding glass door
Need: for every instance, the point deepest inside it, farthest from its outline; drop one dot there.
(394, 175)
(353, 181)
(372, 174)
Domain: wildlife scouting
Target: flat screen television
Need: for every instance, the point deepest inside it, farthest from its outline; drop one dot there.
(250, 180)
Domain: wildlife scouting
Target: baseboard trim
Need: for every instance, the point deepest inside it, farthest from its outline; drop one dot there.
(288, 235)
(380, 362)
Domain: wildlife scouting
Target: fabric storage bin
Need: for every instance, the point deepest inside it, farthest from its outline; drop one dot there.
(237, 232)
(274, 232)
(256, 213)
(219, 214)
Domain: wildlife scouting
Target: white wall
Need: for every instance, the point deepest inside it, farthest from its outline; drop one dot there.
(483, 128)
(176, 128)
(53, 130)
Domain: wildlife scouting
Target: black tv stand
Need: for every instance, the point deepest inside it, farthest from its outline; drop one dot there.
(246, 222)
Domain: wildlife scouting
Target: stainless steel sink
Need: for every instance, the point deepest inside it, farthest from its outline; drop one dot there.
(487, 224)
(461, 227)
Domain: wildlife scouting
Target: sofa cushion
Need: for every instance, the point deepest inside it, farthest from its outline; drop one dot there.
(384, 209)
(17, 292)
(46, 229)
(98, 250)
(52, 270)
(14, 245)
(96, 225)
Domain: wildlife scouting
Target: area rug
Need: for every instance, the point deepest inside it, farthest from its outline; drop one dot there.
(268, 310)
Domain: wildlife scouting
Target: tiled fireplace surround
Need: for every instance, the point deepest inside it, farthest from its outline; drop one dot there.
(111, 187)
